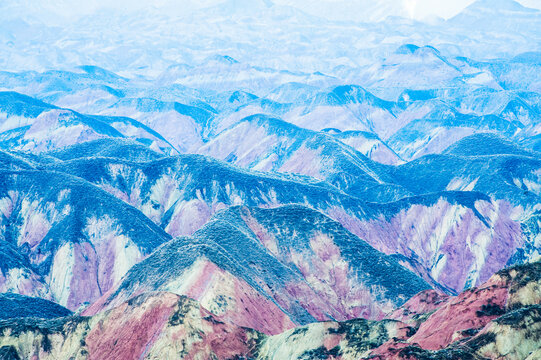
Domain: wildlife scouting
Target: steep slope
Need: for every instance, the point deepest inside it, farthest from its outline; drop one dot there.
(181, 193)
(11, 161)
(480, 322)
(65, 239)
(280, 146)
(482, 163)
(506, 291)
(352, 339)
(182, 125)
(369, 145)
(135, 130)
(346, 107)
(17, 274)
(430, 234)
(15, 108)
(31, 125)
(112, 148)
(393, 74)
(149, 326)
(486, 144)
(474, 325)
(260, 263)
(430, 135)
(355, 164)
(531, 228)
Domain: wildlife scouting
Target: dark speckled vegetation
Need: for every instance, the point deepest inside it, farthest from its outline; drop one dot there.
(229, 243)
(19, 306)
(18, 326)
(85, 200)
(293, 226)
(521, 317)
(321, 353)
(490, 310)
(9, 353)
(416, 353)
(111, 148)
(521, 275)
(21, 105)
(359, 334)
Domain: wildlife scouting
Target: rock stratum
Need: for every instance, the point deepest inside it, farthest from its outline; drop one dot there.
(475, 324)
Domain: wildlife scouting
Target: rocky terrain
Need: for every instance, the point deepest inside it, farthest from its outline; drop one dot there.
(475, 324)
(340, 188)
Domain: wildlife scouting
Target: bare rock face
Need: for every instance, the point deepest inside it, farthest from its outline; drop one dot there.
(500, 319)
(65, 239)
(154, 325)
(418, 308)
(453, 237)
(272, 269)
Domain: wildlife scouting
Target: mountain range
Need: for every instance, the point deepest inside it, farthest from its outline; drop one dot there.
(278, 183)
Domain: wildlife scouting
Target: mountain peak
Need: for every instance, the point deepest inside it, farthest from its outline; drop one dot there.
(221, 59)
(407, 49)
(498, 5)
